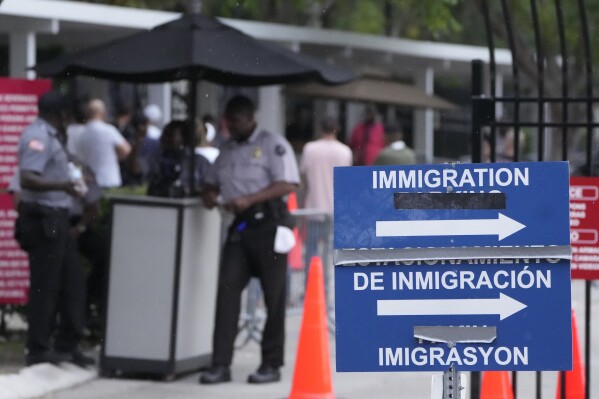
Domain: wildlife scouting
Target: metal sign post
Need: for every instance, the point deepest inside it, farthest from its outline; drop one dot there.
(451, 383)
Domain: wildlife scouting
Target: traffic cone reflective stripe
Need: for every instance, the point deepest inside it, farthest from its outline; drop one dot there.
(575, 379)
(496, 385)
(312, 374)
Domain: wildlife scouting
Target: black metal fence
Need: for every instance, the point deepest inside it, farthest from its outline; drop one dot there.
(560, 123)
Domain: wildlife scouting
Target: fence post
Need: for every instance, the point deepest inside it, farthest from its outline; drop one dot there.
(483, 110)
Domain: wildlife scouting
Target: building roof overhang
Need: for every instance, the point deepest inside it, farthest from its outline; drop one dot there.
(76, 25)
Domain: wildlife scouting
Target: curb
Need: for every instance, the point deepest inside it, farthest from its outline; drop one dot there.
(41, 379)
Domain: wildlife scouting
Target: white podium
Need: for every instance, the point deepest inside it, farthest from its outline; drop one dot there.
(162, 283)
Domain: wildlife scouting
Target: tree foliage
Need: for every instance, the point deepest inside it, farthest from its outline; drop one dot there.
(444, 20)
(418, 19)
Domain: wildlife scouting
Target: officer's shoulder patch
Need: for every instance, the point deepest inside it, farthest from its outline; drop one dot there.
(36, 145)
(280, 150)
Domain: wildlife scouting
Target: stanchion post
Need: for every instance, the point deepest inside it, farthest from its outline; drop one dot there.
(451, 383)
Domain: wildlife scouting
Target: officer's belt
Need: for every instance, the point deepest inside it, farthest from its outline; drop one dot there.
(32, 208)
(263, 211)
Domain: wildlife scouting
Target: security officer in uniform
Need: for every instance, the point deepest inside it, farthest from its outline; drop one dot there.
(57, 282)
(254, 171)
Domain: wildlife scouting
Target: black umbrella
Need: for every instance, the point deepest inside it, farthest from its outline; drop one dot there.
(195, 47)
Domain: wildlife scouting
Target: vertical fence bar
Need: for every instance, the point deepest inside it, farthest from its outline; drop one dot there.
(587, 338)
(589, 82)
(476, 91)
(564, 53)
(492, 75)
(515, 77)
(516, 85)
(3, 311)
(540, 79)
(589, 152)
(493, 132)
(540, 58)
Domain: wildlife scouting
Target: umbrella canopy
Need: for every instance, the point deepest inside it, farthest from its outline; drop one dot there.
(195, 47)
(381, 91)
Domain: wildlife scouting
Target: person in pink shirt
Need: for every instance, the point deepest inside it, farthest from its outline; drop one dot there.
(367, 139)
(318, 159)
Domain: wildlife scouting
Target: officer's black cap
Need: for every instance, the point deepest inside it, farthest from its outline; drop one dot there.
(52, 103)
(240, 104)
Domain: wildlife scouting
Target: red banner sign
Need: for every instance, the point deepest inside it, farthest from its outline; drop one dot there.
(18, 107)
(584, 227)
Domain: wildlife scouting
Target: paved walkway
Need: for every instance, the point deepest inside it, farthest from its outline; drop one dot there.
(346, 385)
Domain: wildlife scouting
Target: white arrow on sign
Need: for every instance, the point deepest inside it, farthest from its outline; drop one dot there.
(503, 227)
(504, 306)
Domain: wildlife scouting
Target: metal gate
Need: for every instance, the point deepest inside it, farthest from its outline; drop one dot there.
(556, 115)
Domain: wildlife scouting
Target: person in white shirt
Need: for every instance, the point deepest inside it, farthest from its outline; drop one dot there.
(317, 161)
(205, 135)
(154, 115)
(102, 146)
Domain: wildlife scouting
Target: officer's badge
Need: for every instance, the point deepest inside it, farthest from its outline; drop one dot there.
(36, 145)
(257, 152)
(280, 150)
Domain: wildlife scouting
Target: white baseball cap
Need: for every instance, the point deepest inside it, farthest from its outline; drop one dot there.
(153, 113)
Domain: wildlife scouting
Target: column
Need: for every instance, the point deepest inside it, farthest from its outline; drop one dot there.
(160, 94)
(270, 112)
(424, 119)
(22, 54)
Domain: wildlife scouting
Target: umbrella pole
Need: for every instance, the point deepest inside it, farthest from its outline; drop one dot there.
(192, 114)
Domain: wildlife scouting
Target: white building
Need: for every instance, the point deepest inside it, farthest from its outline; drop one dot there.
(28, 24)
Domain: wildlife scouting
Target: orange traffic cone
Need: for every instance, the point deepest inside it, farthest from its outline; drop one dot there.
(292, 201)
(496, 385)
(575, 380)
(312, 375)
(294, 258)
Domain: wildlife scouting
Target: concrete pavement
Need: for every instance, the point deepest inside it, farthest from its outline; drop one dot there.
(346, 385)
(247, 358)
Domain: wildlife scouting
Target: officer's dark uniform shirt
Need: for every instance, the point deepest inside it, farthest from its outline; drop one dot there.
(40, 152)
(246, 167)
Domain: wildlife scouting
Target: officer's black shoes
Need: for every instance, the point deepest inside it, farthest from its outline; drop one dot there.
(47, 357)
(81, 360)
(216, 375)
(264, 375)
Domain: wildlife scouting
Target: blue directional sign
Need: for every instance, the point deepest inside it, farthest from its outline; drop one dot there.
(379, 308)
(452, 205)
(503, 301)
